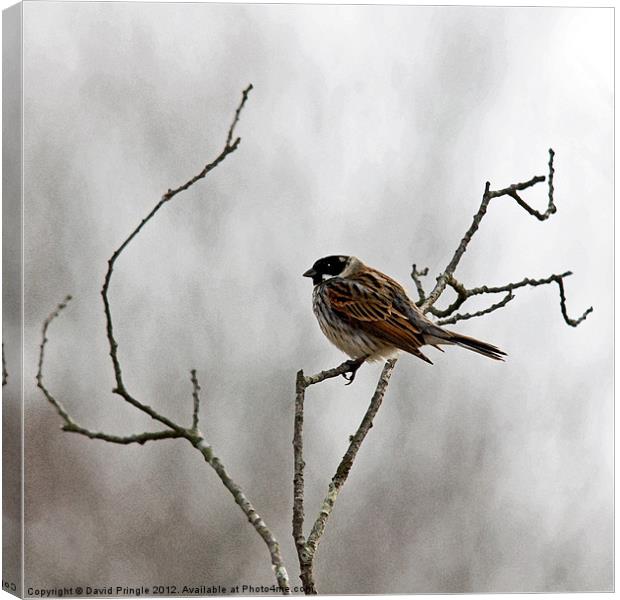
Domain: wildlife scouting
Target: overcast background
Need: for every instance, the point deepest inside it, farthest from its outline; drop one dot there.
(371, 131)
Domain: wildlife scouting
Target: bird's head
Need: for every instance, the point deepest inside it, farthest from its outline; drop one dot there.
(331, 266)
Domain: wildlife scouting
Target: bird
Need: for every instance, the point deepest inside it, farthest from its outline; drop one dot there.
(369, 316)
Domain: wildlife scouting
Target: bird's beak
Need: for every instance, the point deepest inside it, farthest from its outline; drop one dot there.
(310, 273)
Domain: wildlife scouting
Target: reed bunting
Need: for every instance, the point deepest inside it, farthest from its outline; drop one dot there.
(369, 316)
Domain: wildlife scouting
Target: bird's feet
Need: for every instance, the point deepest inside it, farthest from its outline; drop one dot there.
(353, 365)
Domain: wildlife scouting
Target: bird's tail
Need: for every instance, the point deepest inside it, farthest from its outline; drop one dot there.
(445, 336)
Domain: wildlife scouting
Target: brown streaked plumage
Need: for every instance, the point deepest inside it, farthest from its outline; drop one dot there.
(369, 316)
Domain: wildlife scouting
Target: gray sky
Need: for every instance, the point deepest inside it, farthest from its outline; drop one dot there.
(370, 131)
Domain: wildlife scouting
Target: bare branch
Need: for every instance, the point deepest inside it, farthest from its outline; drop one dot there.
(298, 479)
(137, 438)
(346, 463)
(341, 369)
(174, 430)
(120, 388)
(60, 409)
(246, 506)
(447, 278)
(306, 550)
(513, 189)
(192, 435)
(415, 275)
(70, 424)
(480, 313)
(463, 294)
(231, 131)
(196, 397)
(488, 195)
(5, 373)
(569, 321)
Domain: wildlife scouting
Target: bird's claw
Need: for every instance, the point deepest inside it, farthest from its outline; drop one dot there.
(350, 377)
(354, 365)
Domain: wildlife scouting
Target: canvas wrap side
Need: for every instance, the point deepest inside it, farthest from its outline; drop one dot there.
(12, 302)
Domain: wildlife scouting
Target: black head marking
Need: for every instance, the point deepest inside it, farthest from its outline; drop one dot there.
(329, 266)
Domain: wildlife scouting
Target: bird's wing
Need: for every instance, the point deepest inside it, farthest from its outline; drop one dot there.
(377, 305)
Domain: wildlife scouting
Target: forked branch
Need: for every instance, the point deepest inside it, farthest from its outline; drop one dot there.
(120, 388)
(306, 549)
(464, 293)
(172, 430)
(513, 192)
(69, 423)
(446, 278)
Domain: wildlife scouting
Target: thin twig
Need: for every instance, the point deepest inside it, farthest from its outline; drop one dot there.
(39, 377)
(479, 313)
(464, 293)
(487, 196)
(513, 189)
(244, 98)
(137, 438)
(120, 388)
(415, 275)
(69, 423)
(569, 321)
(5, 373)
(196, 397)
